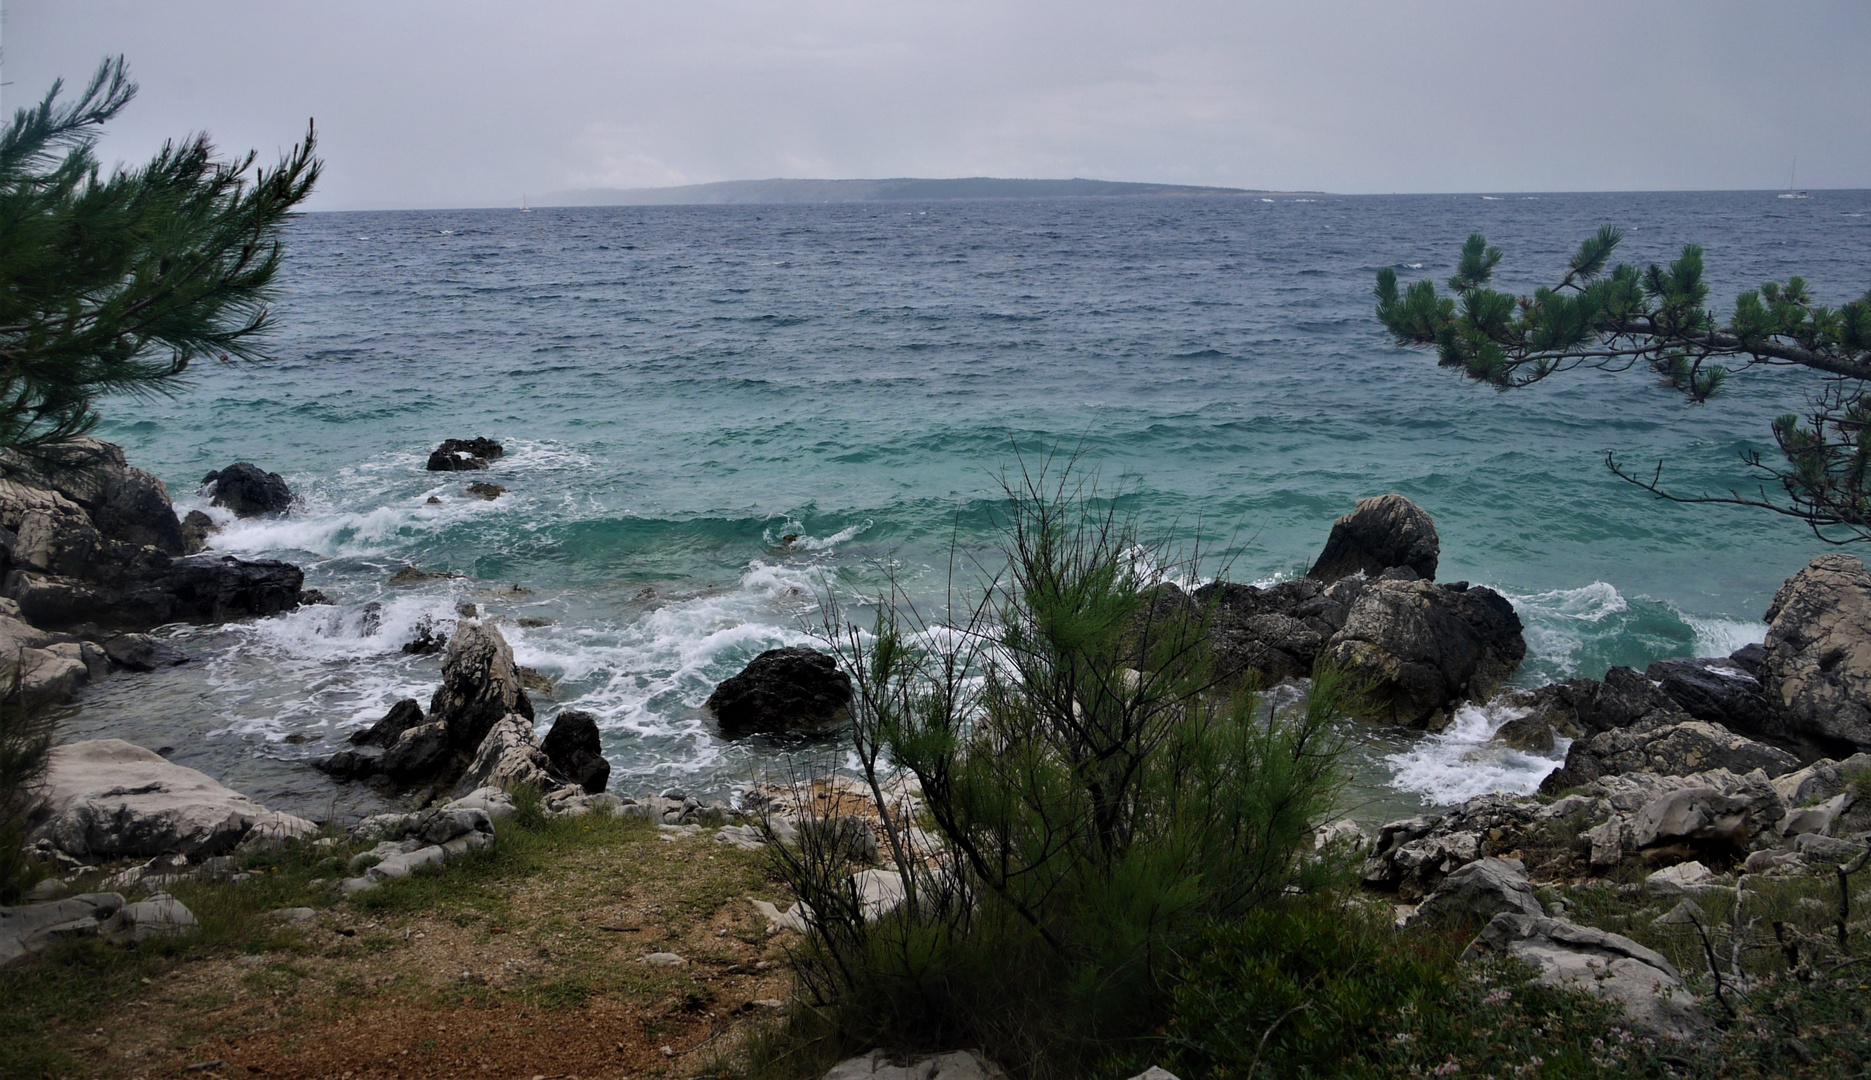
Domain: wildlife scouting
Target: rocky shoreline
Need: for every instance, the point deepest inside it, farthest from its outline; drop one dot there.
(1696, 774)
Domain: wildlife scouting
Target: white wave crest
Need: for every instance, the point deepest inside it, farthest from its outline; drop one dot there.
(1460, 762)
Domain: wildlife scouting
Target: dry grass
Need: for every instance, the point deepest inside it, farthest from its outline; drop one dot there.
(525, 961)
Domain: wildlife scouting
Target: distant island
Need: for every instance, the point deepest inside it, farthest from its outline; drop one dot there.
(901, 189)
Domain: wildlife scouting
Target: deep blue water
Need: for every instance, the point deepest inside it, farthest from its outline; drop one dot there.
(680, 387)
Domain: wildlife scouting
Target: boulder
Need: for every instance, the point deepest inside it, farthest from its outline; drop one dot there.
(782, 689)
(429, 638)
(123, 504)
(877, 1065)
(1481, 890)
(420, 754)
(1607, 965)
(1685, 877)
(1816, 663)
(464, 455)
(1528, 734)
(37, 927)
(1381, 533)
(196, 528)
(1677, 749)
(152, 589)
(106, 798)
(508, 757)
(248, 490)
(1717, 690)
(160, 915)
(1700, 816)
(480, 686)
(402, 716)
(1274, 633)
(576, 752)
(1423, 647)
(140, 652)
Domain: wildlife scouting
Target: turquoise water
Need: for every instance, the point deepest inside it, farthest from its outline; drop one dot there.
(681, 387)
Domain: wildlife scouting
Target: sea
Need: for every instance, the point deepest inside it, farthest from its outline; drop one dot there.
(716, 418)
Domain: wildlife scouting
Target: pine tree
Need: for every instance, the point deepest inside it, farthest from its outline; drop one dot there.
(1658, 319)
(114, 282)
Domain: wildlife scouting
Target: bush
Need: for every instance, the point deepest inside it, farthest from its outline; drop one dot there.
(1092, 799)
(25, 741)
(1334, 990)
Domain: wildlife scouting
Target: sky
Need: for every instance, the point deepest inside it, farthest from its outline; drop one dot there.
(447, 103)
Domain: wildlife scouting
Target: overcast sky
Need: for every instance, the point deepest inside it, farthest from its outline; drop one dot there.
(437, 103)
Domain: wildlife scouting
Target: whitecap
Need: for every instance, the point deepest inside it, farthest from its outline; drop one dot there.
(1461, 762)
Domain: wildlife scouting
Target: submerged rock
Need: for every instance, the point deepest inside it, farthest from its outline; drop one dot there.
(1381, 533)
(464, 455)
(780, 690)
(248, 490)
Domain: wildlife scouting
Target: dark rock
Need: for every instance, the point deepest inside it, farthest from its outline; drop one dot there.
(196, 528)
(199, 588)
(480, 684)
(1719, 691)
(1626, 699)
(409, 575)
(535, 680)
(1530, 734)
(1424, 647)
(782, 689)
(463, 455)
(140, 652)
(489, 492)
(428, 638)
(422, 755)
(248, 490)
(1679, 749)
(1381, 533)
(1564, 707)
(576, 752)
(1750, 657)
(1816, 664)
(309, 597)
(402, 716)
(370, 619)
(1275, 633)
(351, 764)
(124, 504)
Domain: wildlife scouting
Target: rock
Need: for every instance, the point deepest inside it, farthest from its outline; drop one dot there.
(140, 652)
(1817, 818)
(1719, 691)
(507, 758)
(1819, 781)
(294, 914)
(463, 455)
(1481, 890)
(1609, 966)
(877, 1065)
(1381, 533)
(1679, 749)
(409, 575)
(1529, 734)
(1155, 1072)
(106, 798)
(1750, 657)
(196, 528)
(1424, 647)
(664, 959)
(428, 638)
(493, 802)
(480, 686)
(490, 492)
(1698, 815)
(576, 752)
(1343, 835)
(782, 689)
(248, 490)
(1768, 861)
(37, 927)
(1275, 633)
(1828, 849)
(123, 504)
(1681, 878)
(1816, 663)
(402, 716)
(161, 915)
(419, 755)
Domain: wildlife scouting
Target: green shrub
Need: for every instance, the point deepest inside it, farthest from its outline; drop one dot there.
(1092, 799)
(25, 741)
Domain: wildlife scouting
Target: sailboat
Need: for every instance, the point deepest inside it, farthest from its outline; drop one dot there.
(524, 209)
(1792, 192)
